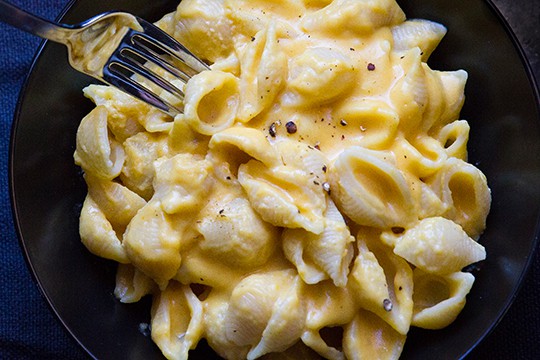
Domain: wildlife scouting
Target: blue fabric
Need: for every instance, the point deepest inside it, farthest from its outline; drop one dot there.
(29, 330)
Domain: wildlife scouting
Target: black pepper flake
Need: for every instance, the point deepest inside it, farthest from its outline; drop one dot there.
(317, 146)
(316, 182)
(324, 168)
(352, 49)
(228, 178)
(272, 130)
(221, 211)
(387, 305)
(398, 230)
(253, 38)
(371, 66)
(291, 127)
(342, 137)
(342, 122)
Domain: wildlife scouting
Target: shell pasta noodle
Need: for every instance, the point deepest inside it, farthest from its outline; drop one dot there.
(314, 198)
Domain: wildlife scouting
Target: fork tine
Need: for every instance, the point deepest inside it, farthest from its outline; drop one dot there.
(120, 80)
(134, 61)
(144, 50)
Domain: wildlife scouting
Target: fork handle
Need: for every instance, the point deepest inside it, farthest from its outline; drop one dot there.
(32, 24)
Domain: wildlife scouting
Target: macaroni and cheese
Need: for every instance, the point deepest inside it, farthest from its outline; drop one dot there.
(314, 198)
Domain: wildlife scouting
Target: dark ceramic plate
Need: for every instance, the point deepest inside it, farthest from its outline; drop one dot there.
(47, 189)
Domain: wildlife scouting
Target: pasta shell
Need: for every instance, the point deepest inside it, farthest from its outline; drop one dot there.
(286, 324)
(97, 233)
(200, 268)
(369, 337)
(430, 204)
(306, 159)
(424, 34)
(250, 307)
(284, 197)
(265, 312)
(118, 203)
(203, 26)
(439, 300)
(409, 94)
(319, 75)
(361, 17)
(370, 190)
(215, 323)
(131, 284)
(123, 123)
(322, 300)
(375, 122)
(96, 152)
(238, 145)
(294, 249)
(454, 137)
(211, 101)
(463, 187)
(176, 321)
(436, 99)
(141, 151)
(235, 234)
(421, 158)
(152, 243)
(398, 308)
(323, 256)
(263, 73)
(182, 183)
(128, 115)
(453, 85)
(368, 279)
(439, 246)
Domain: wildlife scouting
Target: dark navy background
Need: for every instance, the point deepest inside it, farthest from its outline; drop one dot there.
(29, 330)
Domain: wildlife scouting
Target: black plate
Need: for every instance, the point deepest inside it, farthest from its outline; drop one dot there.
(501, 106)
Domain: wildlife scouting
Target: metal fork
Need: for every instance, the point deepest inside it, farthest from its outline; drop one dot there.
(121, 50)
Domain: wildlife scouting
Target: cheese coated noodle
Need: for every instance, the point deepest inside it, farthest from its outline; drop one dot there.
(314, 198)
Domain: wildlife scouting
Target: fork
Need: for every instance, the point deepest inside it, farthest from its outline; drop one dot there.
(121, 50)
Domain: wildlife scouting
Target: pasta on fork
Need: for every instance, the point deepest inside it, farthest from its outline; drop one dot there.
(314, 198)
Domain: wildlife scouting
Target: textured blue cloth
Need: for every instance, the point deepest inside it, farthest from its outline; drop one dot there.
(29, 330)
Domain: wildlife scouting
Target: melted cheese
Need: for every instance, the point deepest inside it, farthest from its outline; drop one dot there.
(316, 164)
